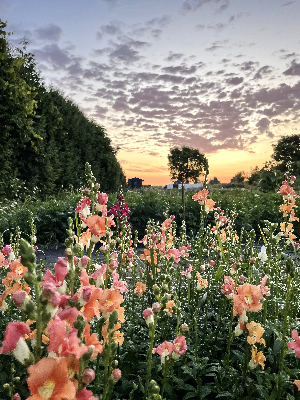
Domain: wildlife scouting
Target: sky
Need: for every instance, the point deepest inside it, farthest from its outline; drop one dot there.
(221, 76)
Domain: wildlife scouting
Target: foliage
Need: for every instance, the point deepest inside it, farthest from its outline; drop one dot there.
(17, 111)
(238, 178)
(46, 138)
(186, 165)
(204, 318)
(253, 208)
(287, 152)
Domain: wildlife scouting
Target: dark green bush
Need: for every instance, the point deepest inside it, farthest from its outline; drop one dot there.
(51, 216)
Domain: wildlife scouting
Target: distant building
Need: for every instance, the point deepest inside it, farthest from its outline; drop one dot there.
(187, 186)
(135, 183)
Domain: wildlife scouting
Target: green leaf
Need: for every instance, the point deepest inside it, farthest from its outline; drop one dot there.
(205, 390)
(190, 395)
(278, 346)
(219, 273)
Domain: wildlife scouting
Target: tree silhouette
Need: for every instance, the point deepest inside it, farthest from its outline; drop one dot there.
(186, 165)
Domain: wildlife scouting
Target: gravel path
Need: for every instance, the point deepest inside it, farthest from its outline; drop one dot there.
(51, 255)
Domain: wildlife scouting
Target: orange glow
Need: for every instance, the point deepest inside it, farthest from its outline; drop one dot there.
(223, 164)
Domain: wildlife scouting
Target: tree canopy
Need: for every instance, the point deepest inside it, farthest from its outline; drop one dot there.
(186, 165)
(46, 139)
(287, 152)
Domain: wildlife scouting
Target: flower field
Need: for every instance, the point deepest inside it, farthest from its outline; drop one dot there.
(212, 317)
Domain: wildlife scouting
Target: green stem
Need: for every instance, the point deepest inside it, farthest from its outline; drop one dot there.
(149, 355)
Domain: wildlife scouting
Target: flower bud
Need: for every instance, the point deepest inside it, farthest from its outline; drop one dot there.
(149, 316)
(130, 253)
(164, 288)
(211, 263)
(68, 251)
(84, 261)
(116, 374)
(16, 396)
(156, 290)
(113, 265)
(18, 298)
(156, 307)
(49, 290)
(86, 293)
(88, 376)
(184, 328)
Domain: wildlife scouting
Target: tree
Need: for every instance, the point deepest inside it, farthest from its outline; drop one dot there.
(214, 181)
(287, 151)
(254, 176)
(239, 178)
(186, 165)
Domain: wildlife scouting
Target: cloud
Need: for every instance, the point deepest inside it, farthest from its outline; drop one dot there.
(55, 57)
(248, 65)
(50, 32)
(217, 45)
(220, 26)
(235, 80)
(181, 69)
(174, 56)
(194, 5)
(262, 72)
(217, 27)
(294, 69)
(124, 53)
(263, 124)
(112, 29)
(159, 21)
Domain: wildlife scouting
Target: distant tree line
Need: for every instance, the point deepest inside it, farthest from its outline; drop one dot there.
(285, 158)
(45, 139)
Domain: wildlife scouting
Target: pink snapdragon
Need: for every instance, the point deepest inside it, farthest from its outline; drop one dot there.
(149, 316)
(84, 261)
(83, 208)
(164, 350)
(187, 273)
(14, 331)
(264, 289)
(102, 198)
(121, 286)
(116, 374)
(295, 345)
(6, 250)
(180, 346)
(19, 297)
(88, 376)
(175, 253)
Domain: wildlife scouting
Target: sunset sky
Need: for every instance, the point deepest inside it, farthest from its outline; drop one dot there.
(222, 76)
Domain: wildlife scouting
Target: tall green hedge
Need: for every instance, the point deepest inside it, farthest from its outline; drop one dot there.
(45, 138)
